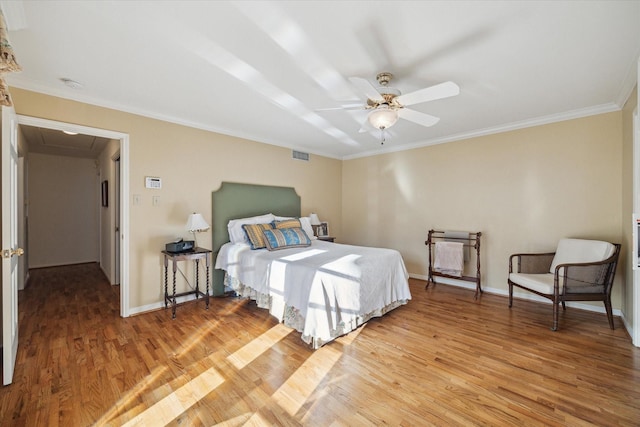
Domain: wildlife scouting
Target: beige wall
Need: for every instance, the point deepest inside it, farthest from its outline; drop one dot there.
(63, 210)
(523, 189)
(192, 163)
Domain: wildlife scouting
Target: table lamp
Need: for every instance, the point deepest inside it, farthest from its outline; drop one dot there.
(315, 222)
(196, 224)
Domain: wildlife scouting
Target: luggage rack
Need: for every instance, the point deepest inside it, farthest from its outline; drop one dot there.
(471, 242)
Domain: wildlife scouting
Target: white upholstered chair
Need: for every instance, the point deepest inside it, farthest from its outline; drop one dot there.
(579, 270)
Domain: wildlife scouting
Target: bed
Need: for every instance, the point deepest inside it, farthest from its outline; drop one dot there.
(321, 289)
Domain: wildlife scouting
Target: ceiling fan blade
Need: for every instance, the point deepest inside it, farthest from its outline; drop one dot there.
(343, 107)
(366, 88)
(418, 117)
(431, 93)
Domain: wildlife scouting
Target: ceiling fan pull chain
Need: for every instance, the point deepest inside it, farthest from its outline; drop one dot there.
(382, 136)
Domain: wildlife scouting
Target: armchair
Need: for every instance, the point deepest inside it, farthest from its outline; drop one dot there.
(579, 270)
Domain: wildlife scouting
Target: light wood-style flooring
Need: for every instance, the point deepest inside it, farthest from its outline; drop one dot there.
(443, 359)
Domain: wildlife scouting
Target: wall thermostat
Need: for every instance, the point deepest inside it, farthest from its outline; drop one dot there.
(153, 182)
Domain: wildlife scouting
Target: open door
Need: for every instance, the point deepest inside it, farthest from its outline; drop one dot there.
(10, 249)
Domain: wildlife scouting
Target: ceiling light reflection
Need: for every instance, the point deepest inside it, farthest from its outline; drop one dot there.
(273, 20)
(237, 68)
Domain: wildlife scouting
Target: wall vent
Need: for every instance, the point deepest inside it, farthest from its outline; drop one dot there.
(300, 155)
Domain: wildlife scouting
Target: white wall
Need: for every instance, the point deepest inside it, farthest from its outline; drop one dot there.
(63, 208)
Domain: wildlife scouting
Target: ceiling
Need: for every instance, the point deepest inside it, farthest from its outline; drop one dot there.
(272, 71)
(58, 143)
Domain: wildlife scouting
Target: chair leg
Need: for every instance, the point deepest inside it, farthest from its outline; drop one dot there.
(556, 308)
(607, 307)
(510, 295)
(564, 307)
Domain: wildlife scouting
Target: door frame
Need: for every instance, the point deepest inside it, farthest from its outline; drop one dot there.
(123, 190)
(115, 265)
(635, 279)
(10, 249)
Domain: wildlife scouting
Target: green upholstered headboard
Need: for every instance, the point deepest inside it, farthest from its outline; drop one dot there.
(233, 200)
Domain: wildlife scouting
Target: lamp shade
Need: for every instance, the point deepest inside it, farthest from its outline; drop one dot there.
(196, 223)
(313, 219)
(383, 117)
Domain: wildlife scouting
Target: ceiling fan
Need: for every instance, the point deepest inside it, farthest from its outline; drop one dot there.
(387, 104)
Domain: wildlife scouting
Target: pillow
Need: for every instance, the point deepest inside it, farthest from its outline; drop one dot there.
(282, 238)
(254, 234)
(305, 224)
(287, 223)
(579, 250)
(282, 218)
(305, 221)
(236, 232)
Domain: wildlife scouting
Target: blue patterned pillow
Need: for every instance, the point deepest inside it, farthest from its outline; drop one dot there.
(254, 234)
(282, 238)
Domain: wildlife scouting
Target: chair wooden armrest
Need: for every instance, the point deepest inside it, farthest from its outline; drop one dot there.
(586, 277)
(537, 263)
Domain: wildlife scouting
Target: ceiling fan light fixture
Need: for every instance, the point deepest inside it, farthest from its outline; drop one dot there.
(383, 117)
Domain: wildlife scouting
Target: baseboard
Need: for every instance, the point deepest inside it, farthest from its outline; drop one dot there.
(519, 295)
(35, 267)
(160, 304)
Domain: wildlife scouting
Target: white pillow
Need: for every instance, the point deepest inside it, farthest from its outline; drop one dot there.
(237, 234)
(305, 222)
(579, 250)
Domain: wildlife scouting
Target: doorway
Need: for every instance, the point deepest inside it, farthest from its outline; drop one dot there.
(119, 256)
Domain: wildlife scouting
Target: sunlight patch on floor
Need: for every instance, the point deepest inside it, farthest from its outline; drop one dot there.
(179, 401)
(351, 336)
(240, 420)
(296, 390)
(133, 394)
(259, 345)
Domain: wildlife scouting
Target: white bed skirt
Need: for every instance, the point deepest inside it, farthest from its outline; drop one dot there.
(291, 317)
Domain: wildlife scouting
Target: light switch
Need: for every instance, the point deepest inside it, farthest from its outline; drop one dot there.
(156, 200)
(136, 199)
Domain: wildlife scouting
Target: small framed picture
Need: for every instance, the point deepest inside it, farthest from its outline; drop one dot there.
(323, 229)
(105, 193)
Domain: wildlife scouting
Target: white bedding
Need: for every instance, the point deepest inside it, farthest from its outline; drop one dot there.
(331, 288)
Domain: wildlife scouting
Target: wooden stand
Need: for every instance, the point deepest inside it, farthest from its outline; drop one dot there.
(473, 241)
(195, 255)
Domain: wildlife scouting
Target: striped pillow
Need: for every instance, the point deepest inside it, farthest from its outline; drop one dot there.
(283, 238)
(254, 233)
(287, 223)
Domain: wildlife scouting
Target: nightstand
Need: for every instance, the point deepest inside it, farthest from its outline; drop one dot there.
(195, 255)
(326, 238)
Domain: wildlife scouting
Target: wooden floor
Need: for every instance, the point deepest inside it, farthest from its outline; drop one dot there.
(443, 359)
